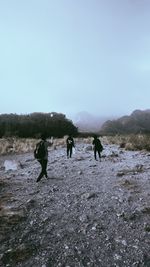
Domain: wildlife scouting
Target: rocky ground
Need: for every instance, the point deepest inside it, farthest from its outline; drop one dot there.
(87, 213)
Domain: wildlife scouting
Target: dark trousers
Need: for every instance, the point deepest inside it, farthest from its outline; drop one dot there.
(69, 151)
(43, 163)
(95, 152)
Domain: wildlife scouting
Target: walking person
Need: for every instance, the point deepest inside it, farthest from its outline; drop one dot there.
(70, 145)
(41, 154)
(98, 148)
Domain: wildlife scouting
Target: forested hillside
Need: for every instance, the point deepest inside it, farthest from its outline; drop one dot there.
(32, 125)
(137, 122)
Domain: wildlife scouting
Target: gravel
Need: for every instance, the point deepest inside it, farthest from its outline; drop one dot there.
(87, 213)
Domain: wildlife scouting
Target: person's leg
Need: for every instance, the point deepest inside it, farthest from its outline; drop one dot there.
(41, 173)
(44, 169)
(67, 151)
(95, 153)
(99, 154)
(70, 151)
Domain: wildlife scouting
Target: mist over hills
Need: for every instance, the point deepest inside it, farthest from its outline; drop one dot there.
(58, 124)
(137, 122)
(87, 122)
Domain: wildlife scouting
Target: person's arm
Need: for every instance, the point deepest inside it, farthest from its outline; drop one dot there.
(49, 143)
(73, 142)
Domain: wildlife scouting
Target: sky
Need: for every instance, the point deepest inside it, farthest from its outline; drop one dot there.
(69, 56)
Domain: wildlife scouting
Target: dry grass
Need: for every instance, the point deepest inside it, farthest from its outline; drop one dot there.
(131, 142)
(16, 145)
(23, 145)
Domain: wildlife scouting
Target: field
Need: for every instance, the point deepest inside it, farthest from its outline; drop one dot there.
(87, 213)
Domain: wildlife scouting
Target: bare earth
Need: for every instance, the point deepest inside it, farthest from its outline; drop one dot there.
(87, 213)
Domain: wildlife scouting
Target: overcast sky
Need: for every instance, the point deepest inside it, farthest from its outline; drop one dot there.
(74, 55)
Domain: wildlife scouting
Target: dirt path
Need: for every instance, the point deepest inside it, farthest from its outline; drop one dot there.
(87, 213)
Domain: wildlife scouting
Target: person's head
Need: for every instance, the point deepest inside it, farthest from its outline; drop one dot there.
(43, 137)
(95, 136)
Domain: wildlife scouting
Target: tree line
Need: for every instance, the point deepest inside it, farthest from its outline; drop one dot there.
(137, 122)
(34, 124)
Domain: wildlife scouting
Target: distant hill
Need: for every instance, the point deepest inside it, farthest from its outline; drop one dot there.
(137, 122)
(87, 122)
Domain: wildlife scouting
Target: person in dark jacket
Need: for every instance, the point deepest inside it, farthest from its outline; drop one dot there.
(70, 145)
(97, 147)
(43, 158)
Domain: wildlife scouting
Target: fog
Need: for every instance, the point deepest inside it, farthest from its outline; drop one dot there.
(72, 56)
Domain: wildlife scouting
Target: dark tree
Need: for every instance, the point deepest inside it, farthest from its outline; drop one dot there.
(32, 125)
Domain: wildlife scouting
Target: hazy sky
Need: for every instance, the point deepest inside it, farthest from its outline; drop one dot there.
(74, 55)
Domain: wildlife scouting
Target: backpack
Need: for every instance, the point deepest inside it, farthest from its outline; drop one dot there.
(40, 151)
(101, 148)
(98, 145)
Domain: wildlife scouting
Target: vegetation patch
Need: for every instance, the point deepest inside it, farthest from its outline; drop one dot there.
(128, 184)
(18, 254)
